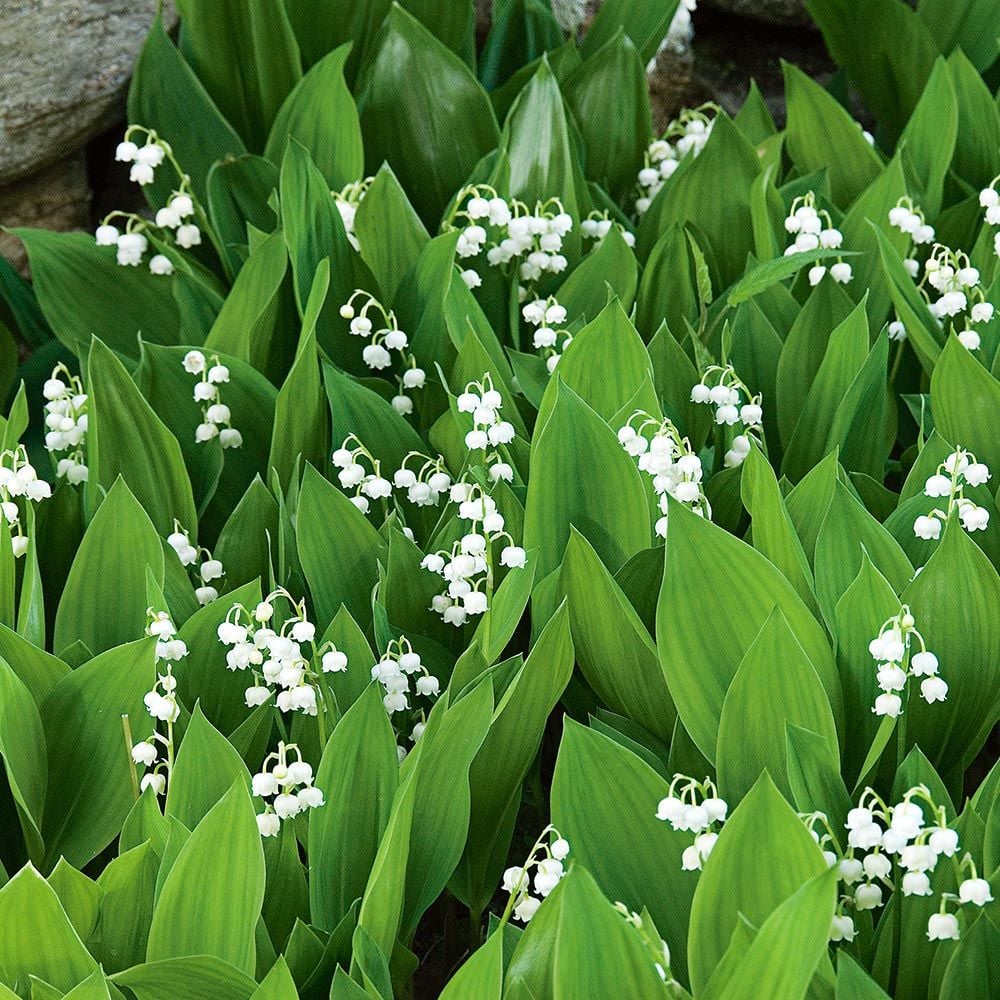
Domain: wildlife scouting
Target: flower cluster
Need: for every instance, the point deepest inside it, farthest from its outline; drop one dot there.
(384, 337)
(66, 424)
(349, 458)
(393, 671)
(668, 459)
(276, 657)
(199, 562)
(734, 405)
(597, 225)
(687, 133)
(19, 479)
(813, 229)
(908, 218)
(467, 566)
(161, 704)
(347, 200)
(897, 663)
(546, 860)
(881, 836)
(427, 484)
(216, 417)
(510, 231)
(958, 470)
(694, 806)
(989, 199)
(960, 297)
(489, 431)
(175, 220)
(286, 786)
(549, 339)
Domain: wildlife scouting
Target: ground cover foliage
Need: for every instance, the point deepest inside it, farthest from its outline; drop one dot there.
(459, 542)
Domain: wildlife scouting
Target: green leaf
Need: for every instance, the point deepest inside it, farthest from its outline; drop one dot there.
(320, 114)
(844, 358)
(358, 776)
(211, 900)
(964, 401)
(583, 366)
(277, 984)
(706, 566)
(300, 412)
(613, 648)
(762, 277)
(125, 438)
(798, 930)
(245, 54)
(753, 721)
(817, 122)
(886, 49)
(205, 768)
(727, 163)
(167, 96)
(597, 953)
(928, 141)
(610, 269)
(848, 534)
(239, 196)
(763, 856)
(90, 785)
(22, 746)
(950, 599)
(615, 133)
(201, 977)
(252, 313)
(219, 479)
(128, 885)
(104, 603)
(389, 231)
(339, 550)
(38, 937)
(507, 752)
(969, 24)
(772, 531)
(974, 969)
(604, 821)
(481, 975)
(440, 825)
(646, 22)
(424, 113)
(582, 477)
(538, 148)
(82, 288)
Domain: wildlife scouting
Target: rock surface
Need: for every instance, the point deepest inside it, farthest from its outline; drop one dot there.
(57, 197)
(771, 11)
(64, 68)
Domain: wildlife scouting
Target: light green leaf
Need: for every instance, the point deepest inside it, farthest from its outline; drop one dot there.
(582, 477)
(90, 785)
(211, 900)
(358, 776)
(763, 856)
(104, 601)
(126, 438)
(38, 937)
(706, 566)
(753, 721)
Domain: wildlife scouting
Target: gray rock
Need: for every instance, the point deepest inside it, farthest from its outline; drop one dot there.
(64, 68)
(771, 11)
(57, 197)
